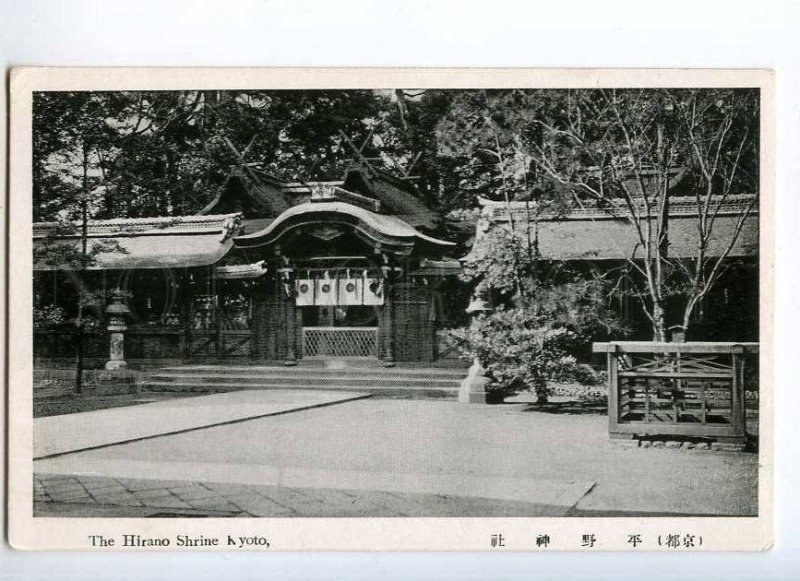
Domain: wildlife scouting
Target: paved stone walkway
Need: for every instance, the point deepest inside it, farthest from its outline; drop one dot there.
(74, 496)
(556, 492)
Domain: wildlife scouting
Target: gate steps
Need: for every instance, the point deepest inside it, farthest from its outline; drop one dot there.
(414, 382)
(304, 368)
(302, 379)
(389, 390)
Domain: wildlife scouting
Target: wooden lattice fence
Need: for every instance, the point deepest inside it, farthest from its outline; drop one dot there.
(677, 389)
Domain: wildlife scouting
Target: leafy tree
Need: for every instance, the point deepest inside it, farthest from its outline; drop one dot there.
(547, 315)
(170, 153)
(74, 133)
(531, 343)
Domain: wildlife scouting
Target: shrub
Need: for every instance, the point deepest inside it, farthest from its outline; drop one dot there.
(47, 316)
(538, 338)
(523, 349)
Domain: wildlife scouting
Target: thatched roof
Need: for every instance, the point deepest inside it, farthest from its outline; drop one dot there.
(254, 197)
(399, 197)
(590, 233)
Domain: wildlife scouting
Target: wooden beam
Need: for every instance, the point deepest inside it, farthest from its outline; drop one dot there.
(663, 347)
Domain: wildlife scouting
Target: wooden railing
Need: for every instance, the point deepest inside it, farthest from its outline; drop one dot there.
(677, 389)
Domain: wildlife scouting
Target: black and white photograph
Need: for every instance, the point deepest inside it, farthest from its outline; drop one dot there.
(535, 303)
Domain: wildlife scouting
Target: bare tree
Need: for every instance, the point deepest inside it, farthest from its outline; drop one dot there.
(627, 152)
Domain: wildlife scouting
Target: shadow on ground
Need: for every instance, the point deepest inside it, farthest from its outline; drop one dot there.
(574, 407)
(89, 402)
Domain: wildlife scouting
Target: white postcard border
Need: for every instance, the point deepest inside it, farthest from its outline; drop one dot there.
(409, 534)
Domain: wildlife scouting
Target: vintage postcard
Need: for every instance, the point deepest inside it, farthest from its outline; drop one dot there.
(391, 309)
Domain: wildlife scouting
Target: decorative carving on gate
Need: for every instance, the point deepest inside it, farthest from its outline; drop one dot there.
(326, 233)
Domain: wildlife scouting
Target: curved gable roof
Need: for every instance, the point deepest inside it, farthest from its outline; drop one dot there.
(389, 230)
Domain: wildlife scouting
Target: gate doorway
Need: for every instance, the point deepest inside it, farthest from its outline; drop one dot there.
(339, 331)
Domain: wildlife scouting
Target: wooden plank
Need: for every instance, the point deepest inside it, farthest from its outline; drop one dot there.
(737, 394)
(662, 416)
(675, 375)
(653, 400)
(689, 347)
(696, 430)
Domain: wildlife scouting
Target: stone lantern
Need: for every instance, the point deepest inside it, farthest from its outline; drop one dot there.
(116, 313)
(473, 386)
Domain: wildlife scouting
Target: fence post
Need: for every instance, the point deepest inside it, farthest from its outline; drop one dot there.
(737, 391)
(613, 391)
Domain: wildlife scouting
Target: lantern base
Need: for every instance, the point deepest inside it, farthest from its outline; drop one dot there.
(473, 386)
(116, 364)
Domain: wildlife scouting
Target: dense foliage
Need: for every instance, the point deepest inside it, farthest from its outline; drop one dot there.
(132, 154)
(169, 153)
(537, 338)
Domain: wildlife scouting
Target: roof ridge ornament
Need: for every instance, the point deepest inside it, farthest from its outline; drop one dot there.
(329, 192)
(325, 192)
(231, 226)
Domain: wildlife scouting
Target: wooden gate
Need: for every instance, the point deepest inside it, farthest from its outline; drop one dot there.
(235, 333)
(271, 318)
(340, 341)
(414, 327)
(219, 331)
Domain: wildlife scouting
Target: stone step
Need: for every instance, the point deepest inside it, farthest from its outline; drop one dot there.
(392, 390)
(414, 382)
(307, 379)
(455, 373)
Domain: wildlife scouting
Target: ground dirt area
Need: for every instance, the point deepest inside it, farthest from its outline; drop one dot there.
(417, 445)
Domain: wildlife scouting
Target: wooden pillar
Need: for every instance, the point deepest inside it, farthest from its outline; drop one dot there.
(286, 290)
(216, 312)
(291, 356)
(257, 350)
(737, 392)
(186, 313)
(298, 334)
(388, 308)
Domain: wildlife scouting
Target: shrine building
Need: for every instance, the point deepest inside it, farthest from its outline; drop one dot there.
(271, 271)
(268, 271)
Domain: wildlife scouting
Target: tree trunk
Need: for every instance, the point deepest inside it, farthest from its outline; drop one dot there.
(79, 356)
(542, 392)
(687, 313)
(84, 243)
(659, 323)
